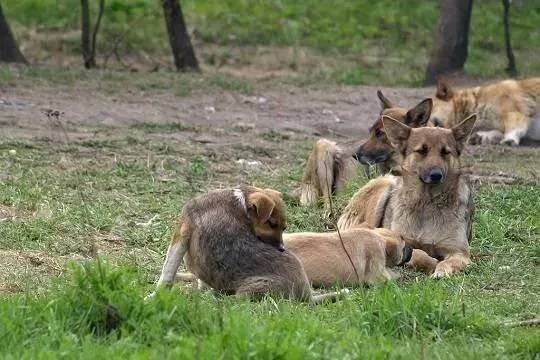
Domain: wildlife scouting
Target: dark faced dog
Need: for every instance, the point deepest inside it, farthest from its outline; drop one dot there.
(377, 149)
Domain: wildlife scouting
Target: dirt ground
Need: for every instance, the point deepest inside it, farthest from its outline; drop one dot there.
(264, 126)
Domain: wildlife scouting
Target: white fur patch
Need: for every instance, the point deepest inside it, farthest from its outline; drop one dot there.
(239, 195)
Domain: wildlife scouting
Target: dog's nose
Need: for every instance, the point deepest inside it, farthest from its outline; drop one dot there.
(433, 176)
(281, 248)
(407, 254)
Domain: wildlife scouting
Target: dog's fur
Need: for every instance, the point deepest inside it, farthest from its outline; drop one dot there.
(327, 169)
(231, 240)
(508, 111)
(430, 203)
(330, 165)
(377, 148)
(372, 251)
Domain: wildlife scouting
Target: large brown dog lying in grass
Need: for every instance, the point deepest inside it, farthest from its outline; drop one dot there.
(508, 111)
(232, 241)
(430, 204)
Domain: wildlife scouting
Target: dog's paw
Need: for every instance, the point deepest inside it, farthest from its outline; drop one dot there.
(442, 271)
(510, 142)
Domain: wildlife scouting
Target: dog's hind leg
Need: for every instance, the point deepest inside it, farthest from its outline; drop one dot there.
(516, 125)
(175, 254)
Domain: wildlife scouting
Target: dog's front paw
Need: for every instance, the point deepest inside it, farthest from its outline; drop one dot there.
(510, 142)
(443, 270)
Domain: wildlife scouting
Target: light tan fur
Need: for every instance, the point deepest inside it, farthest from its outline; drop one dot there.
(508, 111)
(433, 216)
(372, 251)
(328, 167)
(231, 240)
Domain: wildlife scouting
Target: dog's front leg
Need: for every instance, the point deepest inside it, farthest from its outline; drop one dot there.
(451, 265)
(421, 261)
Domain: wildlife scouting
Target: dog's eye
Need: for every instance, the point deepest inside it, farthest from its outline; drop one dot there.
(379, 133)
(273, 223)
(423, 150)
(445, 151)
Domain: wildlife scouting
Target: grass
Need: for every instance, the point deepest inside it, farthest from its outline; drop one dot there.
(358, 42)
(73, 202)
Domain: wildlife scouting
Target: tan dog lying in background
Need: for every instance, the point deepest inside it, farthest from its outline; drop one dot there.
(507, 111)
(372, 251)
(430, 204)
(232, 241)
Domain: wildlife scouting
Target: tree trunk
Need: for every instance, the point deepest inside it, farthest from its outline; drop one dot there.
(89, 60)
(451, 41)
(183, 53)
(9, 51)
(511, 69)
(89, 46)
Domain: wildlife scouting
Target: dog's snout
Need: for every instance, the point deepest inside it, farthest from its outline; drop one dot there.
(433, 176)
(281, 248)
(407, 254)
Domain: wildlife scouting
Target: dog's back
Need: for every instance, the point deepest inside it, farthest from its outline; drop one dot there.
(225, 253)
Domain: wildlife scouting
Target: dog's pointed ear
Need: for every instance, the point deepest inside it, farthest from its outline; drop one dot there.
(396, 132)
(444, 91)
(383, 100)
(463, 130)
(261, 204)
(419, 115)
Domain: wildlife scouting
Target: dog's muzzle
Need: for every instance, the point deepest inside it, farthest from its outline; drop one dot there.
(433, 176)
(407, 254)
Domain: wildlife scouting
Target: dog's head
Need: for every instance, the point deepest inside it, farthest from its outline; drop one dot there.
(398, 252)
(443, 113)
(430, 154)
(266, 210)
(377, 149)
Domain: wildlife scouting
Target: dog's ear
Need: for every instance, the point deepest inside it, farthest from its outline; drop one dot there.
(396, 132)
(262, 205)
(419, 115)
(463, 130)
(383, 100)
(444, 91)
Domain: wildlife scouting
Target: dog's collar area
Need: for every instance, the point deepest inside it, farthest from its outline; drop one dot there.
(239, 195)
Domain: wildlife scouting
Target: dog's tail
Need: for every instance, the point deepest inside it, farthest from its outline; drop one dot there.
(532, 88)
(327, 169)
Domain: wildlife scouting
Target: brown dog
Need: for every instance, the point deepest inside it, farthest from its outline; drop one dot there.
(377, 149)
(372, 251)
(507, 111)
(430, 203)
(232, 241)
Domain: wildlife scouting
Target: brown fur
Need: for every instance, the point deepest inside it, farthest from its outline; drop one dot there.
(377, 148)
(217, 236)
(372, 251)
(430, 205)
(507, 111)
(327, 169)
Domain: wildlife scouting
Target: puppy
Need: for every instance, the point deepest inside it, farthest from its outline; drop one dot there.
(232, 241)
(372, 251)
(430, 203)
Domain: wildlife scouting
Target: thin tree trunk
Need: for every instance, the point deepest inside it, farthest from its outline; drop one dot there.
(183, 53)
(89, 45)
(451, 42)
(9, 51)
(89, 61)
(511, 69)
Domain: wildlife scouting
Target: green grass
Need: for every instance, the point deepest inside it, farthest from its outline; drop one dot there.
(68, 199)
(358, 42)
